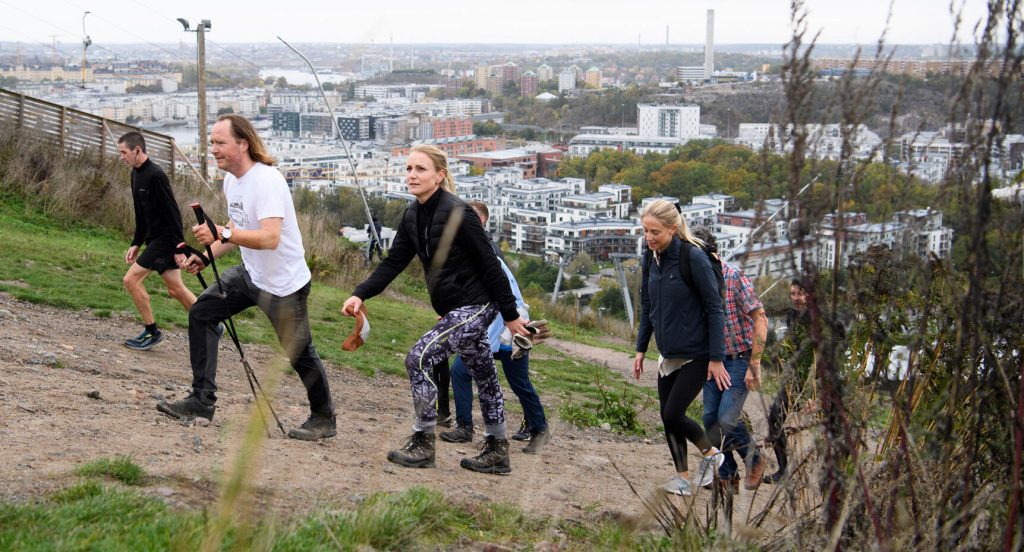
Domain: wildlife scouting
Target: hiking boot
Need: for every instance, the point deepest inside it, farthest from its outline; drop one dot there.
(461, 434)
(145, 341)
(186, 409)
(537, 441)
(318, 426)
(444, 421)
(493, 457)
(416, 452)
(754, 474)
(523, 434)
(678, 486)
(708, 468)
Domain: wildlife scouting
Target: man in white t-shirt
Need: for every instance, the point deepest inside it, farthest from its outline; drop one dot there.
(274, 276)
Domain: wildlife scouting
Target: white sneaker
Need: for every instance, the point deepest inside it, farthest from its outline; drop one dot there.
(678, 486)
(708, 468)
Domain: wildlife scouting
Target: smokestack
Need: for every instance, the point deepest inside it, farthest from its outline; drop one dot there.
(709, 47)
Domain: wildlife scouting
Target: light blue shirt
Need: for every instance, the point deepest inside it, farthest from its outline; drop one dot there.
(498, 326)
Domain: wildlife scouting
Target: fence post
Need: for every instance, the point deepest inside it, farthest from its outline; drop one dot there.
(103, 141)
(174, 147)
(63, 127)
(21, 110)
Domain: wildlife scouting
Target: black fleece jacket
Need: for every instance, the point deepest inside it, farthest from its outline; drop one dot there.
(157, 217)
(461, 270)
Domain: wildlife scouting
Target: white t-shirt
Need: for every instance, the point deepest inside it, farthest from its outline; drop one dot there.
(263, 193)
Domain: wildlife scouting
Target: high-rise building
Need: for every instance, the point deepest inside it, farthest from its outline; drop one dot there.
(528, 84)
(709, 47)
(668, 121)
(481, 74)
(592, 77)
(510, 72)
(545, 73)
(566, 80)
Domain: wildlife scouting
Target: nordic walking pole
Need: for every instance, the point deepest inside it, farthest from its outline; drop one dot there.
(254, 383)
(352, 165)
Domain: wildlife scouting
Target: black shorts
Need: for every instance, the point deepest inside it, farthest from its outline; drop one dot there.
(158, 256)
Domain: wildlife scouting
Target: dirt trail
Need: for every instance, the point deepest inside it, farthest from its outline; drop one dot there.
(52, 359)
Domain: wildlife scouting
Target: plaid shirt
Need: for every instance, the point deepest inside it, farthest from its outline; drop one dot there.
(740, 300)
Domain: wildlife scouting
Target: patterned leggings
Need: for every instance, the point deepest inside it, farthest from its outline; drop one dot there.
(462, 332)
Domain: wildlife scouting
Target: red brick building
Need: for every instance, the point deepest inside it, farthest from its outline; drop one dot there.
(458, 146)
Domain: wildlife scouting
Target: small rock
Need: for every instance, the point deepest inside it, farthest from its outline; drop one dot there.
(197, 443)
(139, 370)
(648, 442)
(202, 422)
(606, 426)
(388, 469)
(93, 394)
(491, 547)
(164, 491)
(168, 387)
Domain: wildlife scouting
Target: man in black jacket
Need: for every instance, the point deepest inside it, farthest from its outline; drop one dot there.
(158, 226)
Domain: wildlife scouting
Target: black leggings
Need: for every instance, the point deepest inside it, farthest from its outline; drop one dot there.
(776, 432)
(675, 393)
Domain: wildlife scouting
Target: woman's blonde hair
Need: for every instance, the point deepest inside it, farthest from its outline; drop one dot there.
(667, 213)
(440, 161)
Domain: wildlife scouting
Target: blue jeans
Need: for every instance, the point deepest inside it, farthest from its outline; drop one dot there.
(722, 418)
(517, 372)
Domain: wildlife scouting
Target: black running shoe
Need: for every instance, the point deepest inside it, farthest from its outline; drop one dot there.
(416, 452)
(523, 434)
(145, 341)
(316, 427)
(493, 457)
(461, 434)
(186, 409)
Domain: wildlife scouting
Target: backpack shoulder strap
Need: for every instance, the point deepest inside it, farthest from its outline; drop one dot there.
(685, 271)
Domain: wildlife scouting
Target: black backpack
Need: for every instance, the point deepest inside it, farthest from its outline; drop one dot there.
(686, 273)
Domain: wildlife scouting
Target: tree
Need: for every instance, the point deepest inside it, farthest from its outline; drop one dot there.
(583, 263)
(281, 82)
(225, 111)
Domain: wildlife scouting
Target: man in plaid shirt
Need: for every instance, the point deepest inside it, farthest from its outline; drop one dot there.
(746, 328)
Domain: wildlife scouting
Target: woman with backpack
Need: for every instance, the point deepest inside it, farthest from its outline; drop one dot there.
(682, 307)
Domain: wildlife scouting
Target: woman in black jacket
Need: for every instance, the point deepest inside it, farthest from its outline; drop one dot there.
(467, 288)
(689, 327)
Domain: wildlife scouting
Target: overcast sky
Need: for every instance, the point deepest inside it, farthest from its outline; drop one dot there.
(480, 21)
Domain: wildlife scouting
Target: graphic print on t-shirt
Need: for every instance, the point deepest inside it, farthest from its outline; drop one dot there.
(237, 211)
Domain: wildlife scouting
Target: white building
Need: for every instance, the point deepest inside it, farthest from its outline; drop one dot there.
(566, 80)
(545, 73)
(681, 122)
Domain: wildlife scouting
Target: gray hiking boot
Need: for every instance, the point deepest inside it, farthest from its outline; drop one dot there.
(537, 441)
(461, 434)
(493, 457)
(318, 426)
(416, 452)
(186, 409)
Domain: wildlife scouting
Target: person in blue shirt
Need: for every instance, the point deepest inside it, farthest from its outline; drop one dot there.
(517, 372)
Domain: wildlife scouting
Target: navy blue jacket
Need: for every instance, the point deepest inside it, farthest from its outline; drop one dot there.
(685, 325)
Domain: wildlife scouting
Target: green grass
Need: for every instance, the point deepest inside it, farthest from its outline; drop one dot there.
(93, 516)
(121, 468)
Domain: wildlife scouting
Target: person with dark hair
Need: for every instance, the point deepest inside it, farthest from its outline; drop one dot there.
(689, 326)
(273, 276)
(374, 247)
(517, 373)
(797, 348)
(467, 289)
(158, 226)
(746, 329)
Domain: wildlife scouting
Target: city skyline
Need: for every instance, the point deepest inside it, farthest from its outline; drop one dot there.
(467, 22)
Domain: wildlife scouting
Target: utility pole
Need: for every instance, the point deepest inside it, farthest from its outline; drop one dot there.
(201, 30)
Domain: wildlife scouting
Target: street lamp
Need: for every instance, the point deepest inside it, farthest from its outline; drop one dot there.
(622, 115)
(200, 30)
(86, 42)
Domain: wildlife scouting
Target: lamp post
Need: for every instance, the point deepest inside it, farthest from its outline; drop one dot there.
(200, 30)
(86, 42)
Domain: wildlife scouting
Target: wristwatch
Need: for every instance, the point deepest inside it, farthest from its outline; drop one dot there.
(225, 235)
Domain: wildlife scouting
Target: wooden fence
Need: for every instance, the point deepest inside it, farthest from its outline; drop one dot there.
(79, 132)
